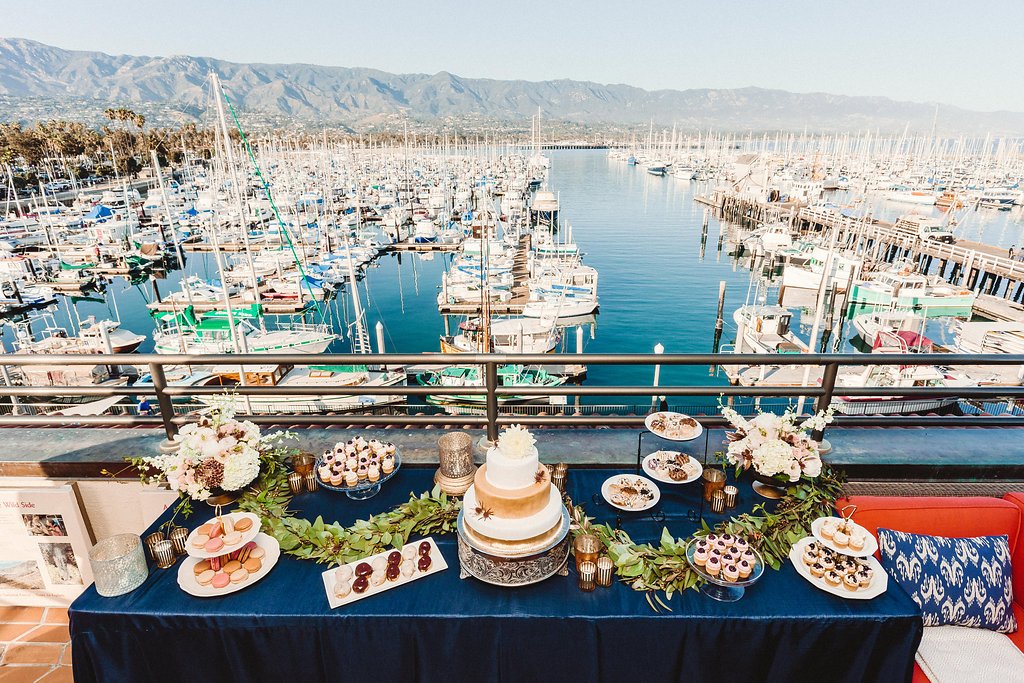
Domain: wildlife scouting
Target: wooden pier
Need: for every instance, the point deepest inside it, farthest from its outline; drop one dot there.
(424, 247)
(983, 268)
(520, 290)
(980, 267)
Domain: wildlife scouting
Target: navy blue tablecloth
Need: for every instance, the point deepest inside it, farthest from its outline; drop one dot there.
(441, 628)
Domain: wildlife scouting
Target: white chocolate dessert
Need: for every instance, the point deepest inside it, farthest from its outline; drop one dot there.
(512, 504)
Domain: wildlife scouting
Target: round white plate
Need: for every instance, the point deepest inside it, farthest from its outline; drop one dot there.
(606, 491)
(870, 545)
(187, 577)
(650, 418)
(879, 584)
(246, 537)
(648, 466)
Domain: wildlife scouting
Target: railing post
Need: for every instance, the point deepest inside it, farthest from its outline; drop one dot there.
(491, 383)
(156, 371)
(828, 385)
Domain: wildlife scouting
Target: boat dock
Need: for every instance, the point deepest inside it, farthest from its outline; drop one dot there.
(520, 291)
(421, 247)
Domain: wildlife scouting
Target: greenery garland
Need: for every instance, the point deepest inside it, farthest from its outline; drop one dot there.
(654, 569)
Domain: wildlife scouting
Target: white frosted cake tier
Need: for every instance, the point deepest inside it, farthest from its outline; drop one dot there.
(512, 529)
(504, 472)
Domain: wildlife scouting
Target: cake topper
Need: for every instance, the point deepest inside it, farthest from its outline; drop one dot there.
(516, 442)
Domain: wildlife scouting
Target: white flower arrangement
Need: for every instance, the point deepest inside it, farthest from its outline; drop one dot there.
(776, 445)
(217, 452)
(516, 442)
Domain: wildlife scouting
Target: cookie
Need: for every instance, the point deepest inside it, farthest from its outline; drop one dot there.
(243, 524)
(204, 578)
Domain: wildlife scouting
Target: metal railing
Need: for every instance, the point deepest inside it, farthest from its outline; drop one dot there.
(491, 414)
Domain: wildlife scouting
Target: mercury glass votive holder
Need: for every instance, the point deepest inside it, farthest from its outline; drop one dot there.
(718, 502)
(118, 564)
(731, 492)
(311, 481)
(295, 483)
(151, 541)
(165, 555)
(588, 571)
(456, 469)
(586, 548)
(179, 537)
(604, 571)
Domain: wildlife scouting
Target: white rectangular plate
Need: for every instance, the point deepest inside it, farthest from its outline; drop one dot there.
(437, 564)
(879, 584)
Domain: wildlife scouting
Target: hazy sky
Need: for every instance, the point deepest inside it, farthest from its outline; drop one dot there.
(965, 53)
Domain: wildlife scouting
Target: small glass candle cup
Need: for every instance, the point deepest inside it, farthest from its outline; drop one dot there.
(165, 555)
(731, 493)
(295, 483)
(714, 480)
(586, 547)
(151, 541)
(604, 571)
(588, 572)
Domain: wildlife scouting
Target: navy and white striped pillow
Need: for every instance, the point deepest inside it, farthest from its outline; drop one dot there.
(955, 581)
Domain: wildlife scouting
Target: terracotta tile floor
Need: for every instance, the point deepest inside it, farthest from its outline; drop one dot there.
(34, 645)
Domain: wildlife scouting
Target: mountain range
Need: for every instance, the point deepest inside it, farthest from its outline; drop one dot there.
(79, 84)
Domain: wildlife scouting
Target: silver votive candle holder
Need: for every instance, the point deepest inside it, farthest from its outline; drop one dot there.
(588, 572)
(295, 483)
(604, 571)
(179, 537)
(718, 502)
(151, 541)
(164, 554)
(310, 481)
(731, 492)
(118, 565)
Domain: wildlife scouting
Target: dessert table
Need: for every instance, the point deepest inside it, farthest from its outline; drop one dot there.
(442, 628)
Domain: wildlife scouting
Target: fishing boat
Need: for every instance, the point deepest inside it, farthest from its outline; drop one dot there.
(330, 380)
(915, 376)
(766, 329)
(902, 288)
(870, 325)
(509, 376)
(41, 334)
(907, 195)
(657, 168)
(515, 335)
(768, 239)
(185, 332)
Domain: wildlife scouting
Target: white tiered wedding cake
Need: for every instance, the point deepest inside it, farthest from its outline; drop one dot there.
(512, 505)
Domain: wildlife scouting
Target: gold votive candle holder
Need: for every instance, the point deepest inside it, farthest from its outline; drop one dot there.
(303, 463)
(310, 481)
(731, 492)
(558, 479)
(718, 502)
(296, 483)
(604, 571)
(179, 538)
(588, 571)
(586, 548)
(151, 541)
(714, 480)
(164, 554)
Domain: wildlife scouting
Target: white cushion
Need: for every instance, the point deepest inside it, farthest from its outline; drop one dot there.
(957, 654)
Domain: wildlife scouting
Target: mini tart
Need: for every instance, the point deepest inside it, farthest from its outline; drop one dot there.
(827, 562)
(863, 578)
(810, 558)
(841, 539)
(745, 568)
(713, 566)
(731, 572)
(700, 556)
(351, 479)
(833, 579)
(828, 530)
(857, 543)
(817, 570)
(850, 582)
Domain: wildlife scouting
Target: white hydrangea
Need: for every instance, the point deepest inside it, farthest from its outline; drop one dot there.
(240, 469)
(516, 442)
(772, 457)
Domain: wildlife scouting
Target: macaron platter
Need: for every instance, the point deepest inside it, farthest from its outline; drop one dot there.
(223, 535)
(229, 573)
(383, 571)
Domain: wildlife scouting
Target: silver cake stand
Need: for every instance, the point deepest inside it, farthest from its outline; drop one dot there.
(483, 564)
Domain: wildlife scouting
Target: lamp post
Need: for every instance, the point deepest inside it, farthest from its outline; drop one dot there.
(658, 349)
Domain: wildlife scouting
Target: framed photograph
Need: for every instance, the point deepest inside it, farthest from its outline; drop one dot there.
(44, 546)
